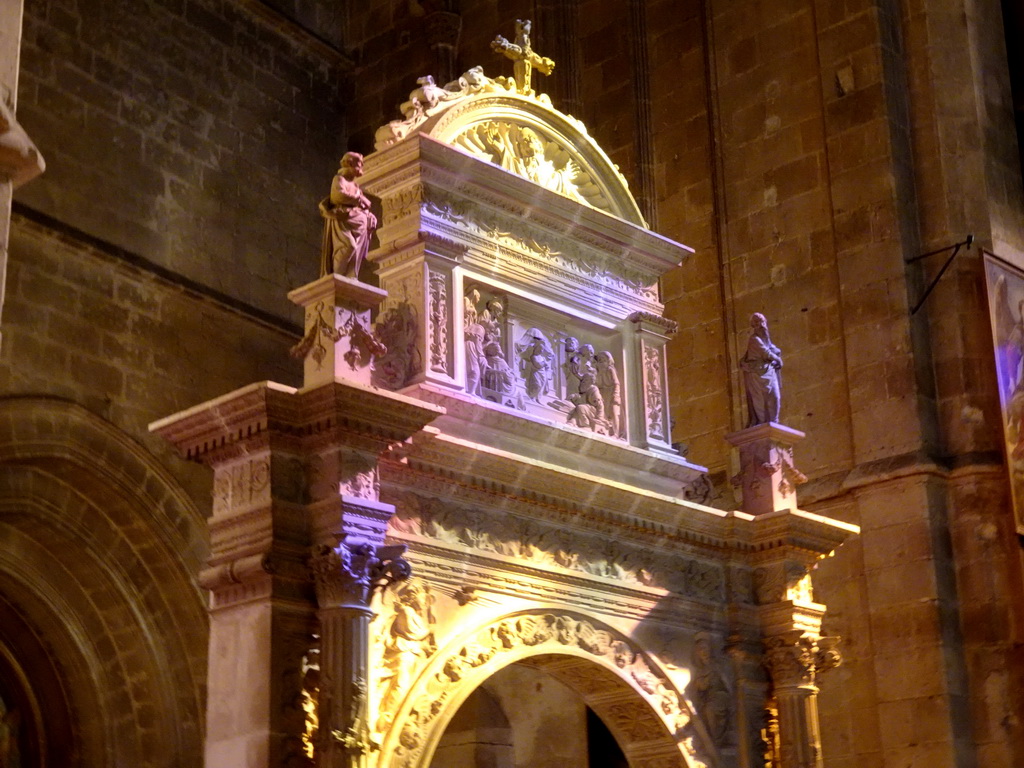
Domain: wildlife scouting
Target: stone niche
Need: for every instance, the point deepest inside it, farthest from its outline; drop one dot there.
(514, 291)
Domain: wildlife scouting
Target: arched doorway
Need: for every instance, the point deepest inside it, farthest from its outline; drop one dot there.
(522, 716)
(640, 706)
(102, 624)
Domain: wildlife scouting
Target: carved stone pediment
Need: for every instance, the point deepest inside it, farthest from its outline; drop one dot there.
(520, 132)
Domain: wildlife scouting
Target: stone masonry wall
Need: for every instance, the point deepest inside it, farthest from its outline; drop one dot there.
(192, 133)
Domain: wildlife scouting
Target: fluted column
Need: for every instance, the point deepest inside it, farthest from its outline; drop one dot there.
(794, 659)
(345, 579)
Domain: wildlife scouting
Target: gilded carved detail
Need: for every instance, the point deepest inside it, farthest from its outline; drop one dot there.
(524, 58)
(796, 658)
(408, 642)
(526, 152)
(346, 574)
(781, 581)
(428, 99)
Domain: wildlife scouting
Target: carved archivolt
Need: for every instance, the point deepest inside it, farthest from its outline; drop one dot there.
(460, 667)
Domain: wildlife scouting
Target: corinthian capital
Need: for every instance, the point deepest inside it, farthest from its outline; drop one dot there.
(346, 575)
(795, 658)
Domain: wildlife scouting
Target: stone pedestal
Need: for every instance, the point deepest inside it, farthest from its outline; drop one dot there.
(339, 342)
(767, 474)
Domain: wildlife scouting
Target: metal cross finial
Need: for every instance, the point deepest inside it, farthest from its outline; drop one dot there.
(524, 57)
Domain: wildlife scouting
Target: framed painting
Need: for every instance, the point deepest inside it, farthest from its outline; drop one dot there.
(1004, 285)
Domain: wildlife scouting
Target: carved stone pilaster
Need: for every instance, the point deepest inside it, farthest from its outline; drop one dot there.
(345, 577)
(647, 381)
(418, 321)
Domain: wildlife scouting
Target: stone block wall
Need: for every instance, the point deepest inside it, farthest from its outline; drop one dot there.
(197, 134)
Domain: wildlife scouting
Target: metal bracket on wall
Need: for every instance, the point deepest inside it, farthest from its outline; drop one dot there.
(956, 249)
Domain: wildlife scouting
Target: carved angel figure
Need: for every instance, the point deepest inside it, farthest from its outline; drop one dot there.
(348, 223)
(760, 366)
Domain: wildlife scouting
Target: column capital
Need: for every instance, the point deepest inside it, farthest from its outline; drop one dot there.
(346, 575)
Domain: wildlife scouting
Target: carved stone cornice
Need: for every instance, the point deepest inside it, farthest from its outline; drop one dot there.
(227, 426)
(665, 325)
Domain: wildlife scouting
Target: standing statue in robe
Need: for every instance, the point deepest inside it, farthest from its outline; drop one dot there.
(760, 366)
(348, 223)
(607, 380)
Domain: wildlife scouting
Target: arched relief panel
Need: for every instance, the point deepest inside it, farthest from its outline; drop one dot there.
(536, 142)
(99, 548)
(487, 118)
(640, 705)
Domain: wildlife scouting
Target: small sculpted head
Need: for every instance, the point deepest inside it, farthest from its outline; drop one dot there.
(351, 165)
(758, 321)
(604, 359)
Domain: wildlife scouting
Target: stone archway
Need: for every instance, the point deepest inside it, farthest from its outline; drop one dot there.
(644, 711)
(99, 551)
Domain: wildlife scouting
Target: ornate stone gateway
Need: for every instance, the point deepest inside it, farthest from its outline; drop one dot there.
(479, 473)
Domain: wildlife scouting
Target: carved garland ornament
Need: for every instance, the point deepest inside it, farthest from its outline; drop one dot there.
(655, 395)
(543, 632)
(471, 218)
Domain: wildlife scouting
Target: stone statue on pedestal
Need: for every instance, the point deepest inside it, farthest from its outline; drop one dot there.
(761, 380)
(348, 223)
